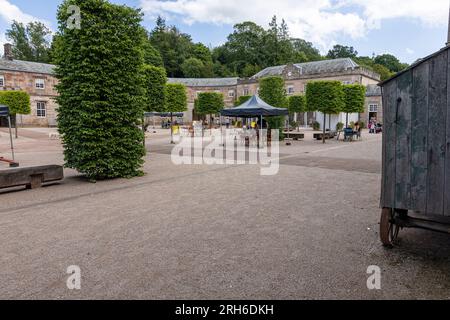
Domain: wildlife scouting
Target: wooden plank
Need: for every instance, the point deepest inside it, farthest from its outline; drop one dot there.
(30, 175)
(403, 141)
(389, 146)
(419, 137)
(437, 118)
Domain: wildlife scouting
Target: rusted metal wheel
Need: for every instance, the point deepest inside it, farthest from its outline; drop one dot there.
(388, 229)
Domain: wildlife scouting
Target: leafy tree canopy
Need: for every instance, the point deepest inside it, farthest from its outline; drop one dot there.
(242, 100)
(17, 101)
(325, 96)
(30, 42)
(209, 103)
(340, 51)
(297, 104)
(354, 98)
(101, 89)
(176, 98)
(155, 86)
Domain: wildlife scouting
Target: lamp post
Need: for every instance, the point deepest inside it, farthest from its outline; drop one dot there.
(4, 112)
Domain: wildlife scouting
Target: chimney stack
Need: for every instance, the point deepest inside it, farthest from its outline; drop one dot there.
(8, 51)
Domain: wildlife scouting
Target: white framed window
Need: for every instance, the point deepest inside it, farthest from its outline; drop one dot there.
(257, 90)
(41, 109)
(346, 82)
(373, 107)
(39, 83)
(290, 90)
(2, 81)
(246, 92)
(231, 93)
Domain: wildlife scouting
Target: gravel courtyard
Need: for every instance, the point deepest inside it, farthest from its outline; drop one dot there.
(213, 232)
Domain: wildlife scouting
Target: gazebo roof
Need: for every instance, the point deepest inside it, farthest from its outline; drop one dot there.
(254, 107)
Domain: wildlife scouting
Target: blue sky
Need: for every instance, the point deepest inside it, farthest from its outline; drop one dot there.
(410, 29)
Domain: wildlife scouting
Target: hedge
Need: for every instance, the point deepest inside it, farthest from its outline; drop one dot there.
(17, 101)
(101, 90)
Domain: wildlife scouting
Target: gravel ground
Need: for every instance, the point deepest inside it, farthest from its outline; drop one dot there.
(214, 232)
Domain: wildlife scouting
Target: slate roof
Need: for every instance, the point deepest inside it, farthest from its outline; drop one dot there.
(373, 90)
(309, 68)
(26, 66)
(205, 82)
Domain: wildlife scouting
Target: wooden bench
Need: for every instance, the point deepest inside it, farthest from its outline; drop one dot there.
(328, 135)
(295, 135)
(31, 177)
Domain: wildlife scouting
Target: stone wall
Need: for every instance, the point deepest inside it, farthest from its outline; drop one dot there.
(26, 81)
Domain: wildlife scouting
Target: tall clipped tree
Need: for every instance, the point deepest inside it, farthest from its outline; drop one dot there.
(101, 89)
(209, 103)
(326, 97)
(272, 90)
(155, 91)
(176, 101)
(18, 102)
(155, 87)
(354, 98)
(296, 104)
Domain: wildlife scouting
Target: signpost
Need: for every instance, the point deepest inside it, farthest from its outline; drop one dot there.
(4, 112)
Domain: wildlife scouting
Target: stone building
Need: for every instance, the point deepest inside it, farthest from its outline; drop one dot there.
(35, 78)
(296, 77)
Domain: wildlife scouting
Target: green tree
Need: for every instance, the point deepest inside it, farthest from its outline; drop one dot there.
(326, 97)
(340, 51)
(30, 42)
(272, 91)
(101, 90)
(155, 86)
(297, 104)
(242, 100)
(354, 98)
(18, 102)
(209, 103)
(305, 51)
(384, 72)
(174, 46)
(176, 101)
(391, 62)
(151, 54)
(193, 68)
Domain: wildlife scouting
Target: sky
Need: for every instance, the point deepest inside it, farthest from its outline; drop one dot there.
(409, 29)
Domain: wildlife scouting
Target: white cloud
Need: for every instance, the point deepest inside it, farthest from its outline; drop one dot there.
(410, 51)
(319, 21)
(10, 12)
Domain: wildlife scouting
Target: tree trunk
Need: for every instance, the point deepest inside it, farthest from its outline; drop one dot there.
(346, 121)
(324, 127)
(16, 133)
(171, 128)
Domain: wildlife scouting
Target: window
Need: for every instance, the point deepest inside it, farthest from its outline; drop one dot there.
(246, 92)
(346, 82)
(41, 110)
(373, 108)
(40, 83)
(2, 81)
(231, 93)
(290, 90)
